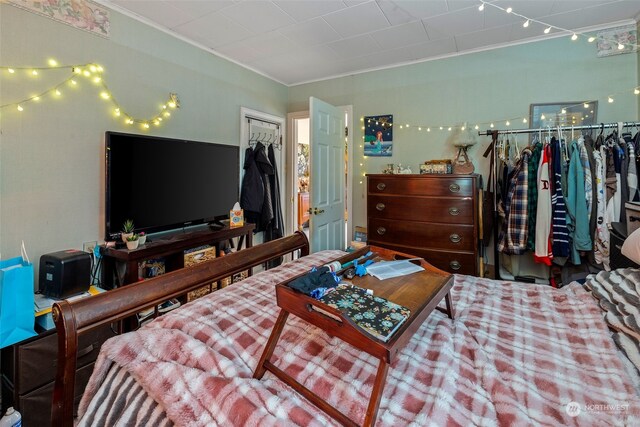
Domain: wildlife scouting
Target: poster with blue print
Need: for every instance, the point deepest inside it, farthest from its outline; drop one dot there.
(378, 136)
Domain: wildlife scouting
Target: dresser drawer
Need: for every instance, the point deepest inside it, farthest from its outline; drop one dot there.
(447, 210)
(449, 261)
(421, 186)
(32, 364)
(422, 234)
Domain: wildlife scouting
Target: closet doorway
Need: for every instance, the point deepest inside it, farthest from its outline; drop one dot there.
(300, 178)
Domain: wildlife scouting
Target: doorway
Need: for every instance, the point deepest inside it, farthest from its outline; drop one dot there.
(298, 163)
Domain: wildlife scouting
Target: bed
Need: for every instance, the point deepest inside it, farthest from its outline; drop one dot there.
(516, 354)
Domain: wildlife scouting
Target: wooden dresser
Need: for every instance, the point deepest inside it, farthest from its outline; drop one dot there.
(432, 216)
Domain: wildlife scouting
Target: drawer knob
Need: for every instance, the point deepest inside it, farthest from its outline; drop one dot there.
(455, 265)
(454, 211)
(381, 230)
(455, 238)
(454, 188)
(381, 186)
(380, 206)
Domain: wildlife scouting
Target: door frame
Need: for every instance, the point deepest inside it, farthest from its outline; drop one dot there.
(292, 176)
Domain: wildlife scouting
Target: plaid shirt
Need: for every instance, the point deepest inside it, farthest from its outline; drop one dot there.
(513, 238)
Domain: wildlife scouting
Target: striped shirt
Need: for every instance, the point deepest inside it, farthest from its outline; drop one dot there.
(558, 207)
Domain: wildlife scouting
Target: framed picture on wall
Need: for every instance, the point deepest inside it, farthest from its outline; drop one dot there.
(555, 114)
(378, 135)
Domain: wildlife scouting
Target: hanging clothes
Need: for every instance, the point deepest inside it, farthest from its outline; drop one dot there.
(266, 169)
(252, 190)
(632, 176)
(543, 249)
(577, 220)
(534, 164)
(589, 145)
(624, 171)
(601, 237)
(614, 166)
(558, 206)
(513, 238)
(275, 230)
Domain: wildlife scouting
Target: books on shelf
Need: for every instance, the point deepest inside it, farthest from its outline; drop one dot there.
(375, 315)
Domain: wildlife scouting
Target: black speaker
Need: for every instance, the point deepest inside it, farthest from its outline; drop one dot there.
(65, 273)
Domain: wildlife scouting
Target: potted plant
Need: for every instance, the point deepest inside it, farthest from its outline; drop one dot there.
(132, 241)
(127, 229)
(142, 238)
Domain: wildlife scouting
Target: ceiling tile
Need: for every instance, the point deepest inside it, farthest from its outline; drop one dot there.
(462, 4)
(423, 9)
(530, 9)
(198, 8)
(395, 14)
(569, 5)
(304, 10)
(518, 32)
(257, 47)
(483, 38)
(259, 16)
(214, 30)
(161, 12)
(400, 35)
(357, 20)
(586, 17)
(355, 46)
(459, 22)
(311, 33)
(495, 17)
(433, 48)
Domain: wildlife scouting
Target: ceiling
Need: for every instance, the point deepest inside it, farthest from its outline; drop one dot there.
(297, 41)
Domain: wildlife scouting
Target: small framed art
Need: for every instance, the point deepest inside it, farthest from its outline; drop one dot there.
(378, 136)
(554, 114)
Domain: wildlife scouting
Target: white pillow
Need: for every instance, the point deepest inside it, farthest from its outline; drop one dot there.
(631, 247)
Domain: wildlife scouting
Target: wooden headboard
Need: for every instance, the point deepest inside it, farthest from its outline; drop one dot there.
(81, 316)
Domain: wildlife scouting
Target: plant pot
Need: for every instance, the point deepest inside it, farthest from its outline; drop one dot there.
(142, 239)
(125, 235)
(132, 244)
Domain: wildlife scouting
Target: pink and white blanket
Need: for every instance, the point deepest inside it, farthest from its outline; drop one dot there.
(516, 354)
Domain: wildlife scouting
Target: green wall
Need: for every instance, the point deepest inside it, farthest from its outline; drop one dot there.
(51, 154)
(473, 88)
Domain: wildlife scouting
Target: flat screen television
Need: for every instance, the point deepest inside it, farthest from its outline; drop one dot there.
(164, 184)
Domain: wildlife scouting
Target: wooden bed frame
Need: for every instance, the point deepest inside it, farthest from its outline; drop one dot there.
(80, 316)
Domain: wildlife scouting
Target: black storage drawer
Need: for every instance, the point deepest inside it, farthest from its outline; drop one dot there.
(35, 406)
(32, 363)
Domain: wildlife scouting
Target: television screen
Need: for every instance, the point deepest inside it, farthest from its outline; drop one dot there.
(163, 183)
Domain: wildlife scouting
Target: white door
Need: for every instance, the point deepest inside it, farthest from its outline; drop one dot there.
(327, 176)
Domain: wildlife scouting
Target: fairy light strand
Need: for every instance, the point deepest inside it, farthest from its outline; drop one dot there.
(93, 73)
(526, 22)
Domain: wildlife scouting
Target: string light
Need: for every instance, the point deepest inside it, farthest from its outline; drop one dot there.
(509, 9)
(620, 46)
(610, 99)
(591, 39)
(481, 7)
(507, 123)
(564, 111)
(524, 120)
(547, 30)
(542, 117)
(526, 23)
(636, 91)
(574, 37)
(586, 105)
(93, 72)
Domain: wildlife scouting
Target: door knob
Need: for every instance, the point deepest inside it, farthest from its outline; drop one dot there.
(317, 211)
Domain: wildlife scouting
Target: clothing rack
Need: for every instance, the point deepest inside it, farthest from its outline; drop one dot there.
(491, 149)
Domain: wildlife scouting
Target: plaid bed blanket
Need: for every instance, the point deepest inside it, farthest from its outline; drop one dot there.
(516, 354)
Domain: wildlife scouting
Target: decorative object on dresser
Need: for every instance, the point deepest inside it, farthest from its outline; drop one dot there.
(432, 216)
